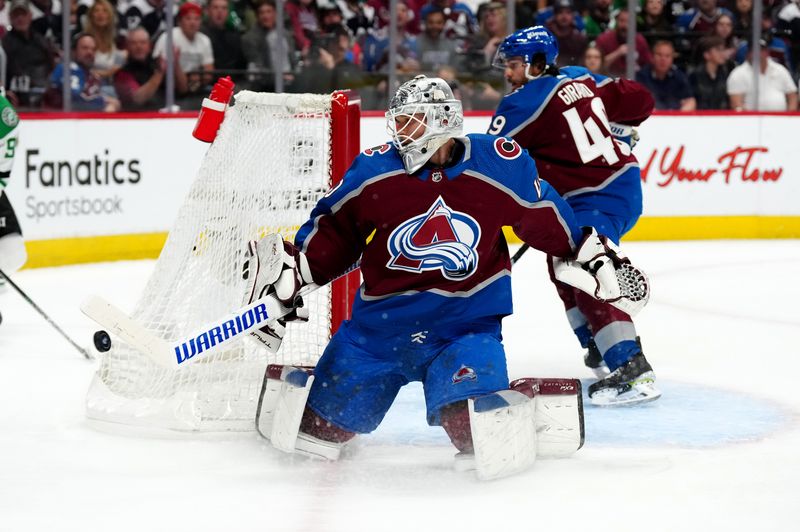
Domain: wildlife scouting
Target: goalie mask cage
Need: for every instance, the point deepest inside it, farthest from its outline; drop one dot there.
(275, 155)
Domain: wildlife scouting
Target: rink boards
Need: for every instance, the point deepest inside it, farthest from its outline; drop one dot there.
(104, 188)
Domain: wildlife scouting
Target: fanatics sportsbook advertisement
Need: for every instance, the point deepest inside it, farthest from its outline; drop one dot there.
(84, 178)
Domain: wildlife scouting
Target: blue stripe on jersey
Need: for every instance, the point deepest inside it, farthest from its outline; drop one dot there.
(490, 298)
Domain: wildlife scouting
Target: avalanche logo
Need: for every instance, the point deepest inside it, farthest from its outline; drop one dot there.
(441, 239)
(464, 374)
(507, 149)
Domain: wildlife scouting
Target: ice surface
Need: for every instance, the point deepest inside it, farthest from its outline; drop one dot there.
(719, 451)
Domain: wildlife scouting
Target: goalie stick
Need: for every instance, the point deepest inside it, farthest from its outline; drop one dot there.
(205, 339)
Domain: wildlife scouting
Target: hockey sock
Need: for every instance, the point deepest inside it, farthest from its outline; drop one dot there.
(314, 425)
(455, 421)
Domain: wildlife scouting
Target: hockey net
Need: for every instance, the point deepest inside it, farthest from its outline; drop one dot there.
(275, 155)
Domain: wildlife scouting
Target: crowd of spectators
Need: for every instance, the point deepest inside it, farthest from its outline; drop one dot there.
(692, 54)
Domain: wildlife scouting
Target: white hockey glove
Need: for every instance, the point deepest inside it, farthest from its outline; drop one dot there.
(603, 271)
(276, 268)
(627, 134)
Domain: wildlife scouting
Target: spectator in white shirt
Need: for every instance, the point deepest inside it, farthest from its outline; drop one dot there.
(777, 90)
(193, 50)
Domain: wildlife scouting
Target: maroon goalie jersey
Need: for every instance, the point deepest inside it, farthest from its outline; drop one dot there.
(564, 122)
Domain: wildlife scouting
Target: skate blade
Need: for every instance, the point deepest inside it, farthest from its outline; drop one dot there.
(640, 393)
(464, 462)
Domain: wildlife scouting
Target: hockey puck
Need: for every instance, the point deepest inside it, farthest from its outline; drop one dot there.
(102, 341)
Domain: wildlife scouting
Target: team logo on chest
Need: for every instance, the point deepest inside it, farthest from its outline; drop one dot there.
(441, 239)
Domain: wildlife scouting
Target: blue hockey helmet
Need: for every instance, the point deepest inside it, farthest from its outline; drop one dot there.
(526, 44)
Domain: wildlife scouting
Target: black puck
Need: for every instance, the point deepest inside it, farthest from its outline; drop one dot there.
(102, 341)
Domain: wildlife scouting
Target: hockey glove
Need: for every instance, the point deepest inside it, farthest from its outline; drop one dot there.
(602, 270)
(627, 134)
(275, 268)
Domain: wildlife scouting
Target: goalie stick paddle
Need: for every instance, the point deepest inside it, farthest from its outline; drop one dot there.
(47, 318)
(203, 341)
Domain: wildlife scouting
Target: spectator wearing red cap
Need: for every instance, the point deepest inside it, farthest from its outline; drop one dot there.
(193, 50)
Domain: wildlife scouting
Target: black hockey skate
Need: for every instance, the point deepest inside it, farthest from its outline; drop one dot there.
(631, 383)
(594, 361)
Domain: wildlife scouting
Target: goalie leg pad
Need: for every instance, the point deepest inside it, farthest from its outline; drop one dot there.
(284, 419)
(503, 433)
(281, 405)
(558, 414)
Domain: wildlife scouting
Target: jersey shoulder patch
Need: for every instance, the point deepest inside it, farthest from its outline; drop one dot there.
(493, 146)
(8, 117)
(507, 148)
(505, 162)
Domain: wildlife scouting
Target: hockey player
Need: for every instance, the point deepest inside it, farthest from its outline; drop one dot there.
(566, 119)
(12, 247)
(424, 216)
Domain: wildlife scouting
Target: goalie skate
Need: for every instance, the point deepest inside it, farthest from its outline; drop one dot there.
(634, 382)
(594, 361)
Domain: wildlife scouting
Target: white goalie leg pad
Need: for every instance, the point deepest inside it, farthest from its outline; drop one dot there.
(559, 416)
(283, 400)
(503, 433)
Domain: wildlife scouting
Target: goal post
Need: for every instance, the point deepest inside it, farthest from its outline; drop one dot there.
(274, 157)
(346, 142)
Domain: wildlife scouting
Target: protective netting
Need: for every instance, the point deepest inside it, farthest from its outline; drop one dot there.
(268, 166)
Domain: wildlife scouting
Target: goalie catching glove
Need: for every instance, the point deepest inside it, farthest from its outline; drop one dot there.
(603, 271)
(276, 268)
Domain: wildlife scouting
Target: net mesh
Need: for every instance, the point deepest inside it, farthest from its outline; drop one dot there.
(265, 171)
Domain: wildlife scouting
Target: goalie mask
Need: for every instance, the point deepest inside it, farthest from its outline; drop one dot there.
(422, 116)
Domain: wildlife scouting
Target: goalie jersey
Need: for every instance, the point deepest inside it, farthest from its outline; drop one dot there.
(431, 244)
(563, 121)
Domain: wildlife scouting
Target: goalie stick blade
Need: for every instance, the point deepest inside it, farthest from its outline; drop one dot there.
(120, 324)
(206, 339)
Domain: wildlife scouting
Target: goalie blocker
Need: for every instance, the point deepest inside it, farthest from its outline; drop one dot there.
(509, 429)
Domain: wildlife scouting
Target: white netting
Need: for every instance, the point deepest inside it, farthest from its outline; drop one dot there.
(268, 166)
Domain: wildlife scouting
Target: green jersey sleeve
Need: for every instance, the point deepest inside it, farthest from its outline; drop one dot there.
(8, 139)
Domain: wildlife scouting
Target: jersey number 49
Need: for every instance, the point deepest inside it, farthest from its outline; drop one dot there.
(592, 139)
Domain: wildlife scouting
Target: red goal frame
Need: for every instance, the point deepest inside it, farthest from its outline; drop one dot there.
(345, 146)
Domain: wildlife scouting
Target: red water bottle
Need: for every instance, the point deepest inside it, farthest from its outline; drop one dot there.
(212, 111)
